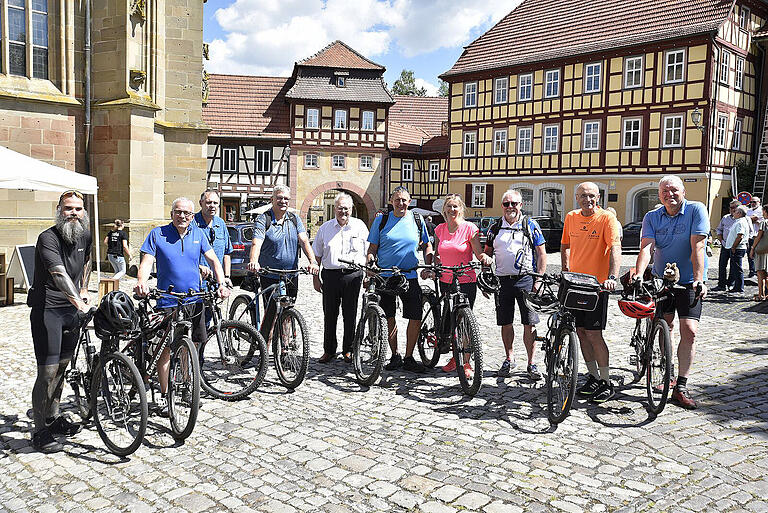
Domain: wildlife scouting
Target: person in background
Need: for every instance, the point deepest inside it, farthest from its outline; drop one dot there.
(618, 224)
(117, 246)
(215, 228)
(755, 215)
(721, 232)
(737, 241)
(759, 251)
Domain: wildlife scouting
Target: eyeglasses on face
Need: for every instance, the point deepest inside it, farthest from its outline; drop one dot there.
(511, 203)
(283, 198)
(184, 213)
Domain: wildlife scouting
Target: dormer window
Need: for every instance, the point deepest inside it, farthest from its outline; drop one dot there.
(340, 78)
(341, 81)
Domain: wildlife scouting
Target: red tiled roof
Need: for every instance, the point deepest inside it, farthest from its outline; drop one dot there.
(245, 106)
(339, 55)
(540, 30)
(413, 141)
(425, 112)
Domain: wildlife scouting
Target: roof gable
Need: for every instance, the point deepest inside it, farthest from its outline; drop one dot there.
(339, 55)
(540, 30)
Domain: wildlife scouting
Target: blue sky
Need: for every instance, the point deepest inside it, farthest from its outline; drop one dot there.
(265, 37)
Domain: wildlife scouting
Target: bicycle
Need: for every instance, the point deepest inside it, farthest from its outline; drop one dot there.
(156, 331)
(79, 375)
(448, 319)
(233, 358)
(289, 334)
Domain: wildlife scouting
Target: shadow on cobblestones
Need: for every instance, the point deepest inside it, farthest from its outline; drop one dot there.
(754, 346)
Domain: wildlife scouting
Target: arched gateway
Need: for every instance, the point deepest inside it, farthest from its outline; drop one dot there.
(365, 208)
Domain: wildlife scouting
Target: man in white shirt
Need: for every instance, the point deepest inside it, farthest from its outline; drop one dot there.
(725, 254)
(755, 215)
(738, 237)
(343, 237)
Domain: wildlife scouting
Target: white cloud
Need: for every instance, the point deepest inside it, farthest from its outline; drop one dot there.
(432, 89)
(266, 37)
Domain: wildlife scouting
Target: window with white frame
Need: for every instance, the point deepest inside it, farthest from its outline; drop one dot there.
(524, 136)
(736, 135)
(434, 171)
(500, 90)
(478, 195)
(366, 162)
(673, 131)
(470, 144)
(527, 195)
(744, 17)
(340, 120)
(470, 94)
(525, 87)
(25, 44)
(552, 83)
(229, 160)
(339, 162)
(674, 67)
(313, 118)
(725, 66)
(310, 160)
(722, 130)
(631, 134)
(367, 120)
(593, 77)
(263, 161)
(633, 72)
(591, 136)
(738, 81)
(407, 173)
(500, 142)
(551, 138)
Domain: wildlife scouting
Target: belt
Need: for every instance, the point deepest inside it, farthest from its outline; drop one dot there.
(342, 270)
(513, 277)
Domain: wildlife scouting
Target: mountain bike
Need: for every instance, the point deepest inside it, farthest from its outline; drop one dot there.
(233, 358)
(79, 375)
(289, 334)
(448, 319)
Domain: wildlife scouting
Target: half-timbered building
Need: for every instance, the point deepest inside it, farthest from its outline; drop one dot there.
(559, 92)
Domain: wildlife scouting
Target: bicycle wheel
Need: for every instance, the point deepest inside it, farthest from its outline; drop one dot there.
(468, 349)
(639, 337)
(79, 376)
(659, 366)
(241, 310)
(183, 394)
(562, 373)
(119, 404)
(290, 347)
(370, 350)
(240, 369)
(428, 336)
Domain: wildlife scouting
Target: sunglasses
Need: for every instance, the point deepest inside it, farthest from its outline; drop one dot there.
(71, 192)
(185, 213)
(511, 203)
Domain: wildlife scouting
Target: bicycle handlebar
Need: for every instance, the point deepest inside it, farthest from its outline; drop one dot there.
(375, 268)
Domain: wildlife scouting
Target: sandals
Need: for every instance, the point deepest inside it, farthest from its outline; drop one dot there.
(758, 297)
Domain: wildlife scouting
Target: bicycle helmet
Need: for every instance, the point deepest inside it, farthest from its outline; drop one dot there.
(488, 282)
(642, 308)
(542, 300)
(397, 283)
(115, 314)
(251, 282)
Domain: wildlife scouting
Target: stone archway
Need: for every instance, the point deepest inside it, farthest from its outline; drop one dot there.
(358, 194)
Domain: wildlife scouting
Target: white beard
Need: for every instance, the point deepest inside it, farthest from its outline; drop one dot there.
(69, 230)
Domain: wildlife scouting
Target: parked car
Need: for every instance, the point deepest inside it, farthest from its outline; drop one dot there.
(552, 229)
(241, 235)
(484, 224)
(631, 239)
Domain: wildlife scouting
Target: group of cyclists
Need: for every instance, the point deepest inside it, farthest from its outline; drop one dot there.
(195, 244)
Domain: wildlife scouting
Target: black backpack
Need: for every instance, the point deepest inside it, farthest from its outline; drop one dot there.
(292, 217)
(416, 217)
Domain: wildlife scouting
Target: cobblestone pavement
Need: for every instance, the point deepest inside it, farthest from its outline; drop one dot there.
(414, 443)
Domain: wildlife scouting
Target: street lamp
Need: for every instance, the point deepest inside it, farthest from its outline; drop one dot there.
(696, 118)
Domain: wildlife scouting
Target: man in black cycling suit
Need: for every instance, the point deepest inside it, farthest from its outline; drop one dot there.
(59, 290)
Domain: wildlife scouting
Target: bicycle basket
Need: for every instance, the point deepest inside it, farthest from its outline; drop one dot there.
(579, 291)
(250, 283)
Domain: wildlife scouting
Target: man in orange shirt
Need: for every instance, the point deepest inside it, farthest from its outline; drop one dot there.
(591, 245)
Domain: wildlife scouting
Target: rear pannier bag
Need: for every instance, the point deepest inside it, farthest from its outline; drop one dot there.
(579, 291)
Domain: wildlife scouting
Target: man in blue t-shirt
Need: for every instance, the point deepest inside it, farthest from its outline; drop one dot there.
(277, 237)
(677, 233)
(176, 248)
(216, 229)
(396, 245)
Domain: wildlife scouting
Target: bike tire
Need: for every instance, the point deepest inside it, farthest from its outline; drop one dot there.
(80, 376)
(639, 336)
(659, 367)
(241, 310)
(369, 351)
(241, 370)
(119, 404)
(468, 343)
(183, 395)
(428, 341)
(292, 353)
(562, 374)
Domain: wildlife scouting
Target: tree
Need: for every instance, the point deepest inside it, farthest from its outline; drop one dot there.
(406, 85)
(444, 89)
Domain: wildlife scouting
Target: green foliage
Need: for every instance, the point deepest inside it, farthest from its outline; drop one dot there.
(745, 175)
(406, 85)
(444, 89)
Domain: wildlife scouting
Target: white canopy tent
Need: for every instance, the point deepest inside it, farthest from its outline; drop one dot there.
(262, 209)
(18, 171)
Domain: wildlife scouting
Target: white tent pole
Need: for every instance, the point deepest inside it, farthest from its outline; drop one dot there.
(97, 236)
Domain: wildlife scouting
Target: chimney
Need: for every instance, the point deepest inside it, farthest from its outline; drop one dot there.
(444, 128)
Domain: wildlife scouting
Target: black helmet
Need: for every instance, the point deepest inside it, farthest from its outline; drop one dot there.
(542, 300)
(397, 283)
(488, 282)
(115, 314)
(251, 282)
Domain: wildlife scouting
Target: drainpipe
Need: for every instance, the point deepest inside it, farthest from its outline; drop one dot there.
(713, 121)
(87, 131)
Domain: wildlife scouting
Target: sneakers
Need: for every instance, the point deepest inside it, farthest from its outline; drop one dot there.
(718, 289)
(533, 372)
(589, 388)
(395, 362)
(62, 426)
(468, 372)
(505, 368)
(450, 366)
(682, 398)
(43, 441)
(412, 365)
(603, 392)
(162, 406)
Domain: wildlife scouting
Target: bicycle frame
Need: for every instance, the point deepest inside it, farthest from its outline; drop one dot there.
(282, 299)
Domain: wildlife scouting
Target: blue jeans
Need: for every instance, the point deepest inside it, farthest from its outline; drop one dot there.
(722, 267)
(118, 265)
(736, 277)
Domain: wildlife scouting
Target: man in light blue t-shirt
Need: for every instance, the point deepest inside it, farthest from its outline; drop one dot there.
(736, 244)
(396, 245)
(677, 233)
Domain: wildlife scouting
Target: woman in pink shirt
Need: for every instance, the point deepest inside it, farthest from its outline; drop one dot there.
(456, 241)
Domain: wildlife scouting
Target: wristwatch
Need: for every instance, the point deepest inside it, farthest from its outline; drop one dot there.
(612, 277)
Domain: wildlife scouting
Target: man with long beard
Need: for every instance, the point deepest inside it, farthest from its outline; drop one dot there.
(59, 290)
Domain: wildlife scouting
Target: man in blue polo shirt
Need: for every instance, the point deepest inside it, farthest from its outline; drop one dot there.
(177, 248)
(217, 232)
(677, 233)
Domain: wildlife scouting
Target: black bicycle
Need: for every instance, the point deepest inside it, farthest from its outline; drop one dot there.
(79, 375)
(233, 359)
(448, 321)
(289, 333)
